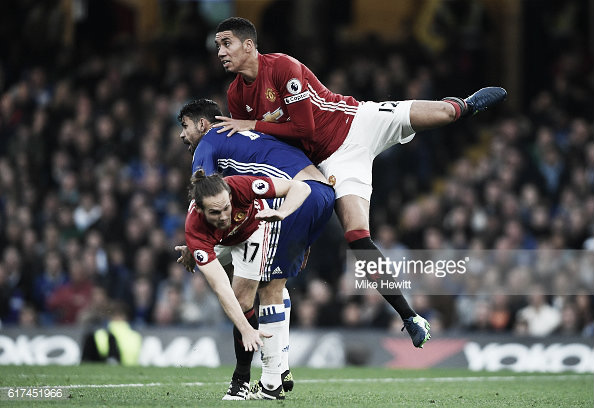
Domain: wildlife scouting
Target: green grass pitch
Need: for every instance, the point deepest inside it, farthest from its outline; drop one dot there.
(93, 385)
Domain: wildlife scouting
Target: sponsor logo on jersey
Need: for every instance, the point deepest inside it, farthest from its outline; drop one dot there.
(260, 186)
(274, 116)
(270, 94)
(239, 216)
(296, 98)
(248, 108)
(294, 86)
(200, 256)
(277, 271)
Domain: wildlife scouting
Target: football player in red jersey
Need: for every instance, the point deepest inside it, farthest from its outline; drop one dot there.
(278, 95)
(229, 212)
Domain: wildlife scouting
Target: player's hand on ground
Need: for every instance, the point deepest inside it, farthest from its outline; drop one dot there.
(233, 125)
(270, 215)
(185, 258)
(252, 340)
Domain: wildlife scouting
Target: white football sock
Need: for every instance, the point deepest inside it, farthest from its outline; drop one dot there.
(272, 321)
(286, 340)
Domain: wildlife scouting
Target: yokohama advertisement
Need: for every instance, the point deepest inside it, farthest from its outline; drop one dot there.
(212, 348)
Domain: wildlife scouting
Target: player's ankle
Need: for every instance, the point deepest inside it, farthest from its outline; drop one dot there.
(459, 105)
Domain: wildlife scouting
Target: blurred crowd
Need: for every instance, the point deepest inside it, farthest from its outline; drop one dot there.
(93, 181)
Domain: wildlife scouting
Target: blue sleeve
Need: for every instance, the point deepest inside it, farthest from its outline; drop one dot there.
(204, 157)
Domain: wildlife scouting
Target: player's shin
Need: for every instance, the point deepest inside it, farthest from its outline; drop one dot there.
(243, 358)
(272, 321)
(364, 248)
(286, 342)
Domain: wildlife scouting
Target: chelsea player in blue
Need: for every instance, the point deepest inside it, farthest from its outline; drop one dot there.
(258, 154)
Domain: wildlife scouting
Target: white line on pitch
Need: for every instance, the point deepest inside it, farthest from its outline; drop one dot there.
(327, 380)
(133, 385)
(448, 379)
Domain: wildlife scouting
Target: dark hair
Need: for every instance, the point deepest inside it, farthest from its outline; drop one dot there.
(240, 27)
(117, 308)
(200, 108)
(206, 186)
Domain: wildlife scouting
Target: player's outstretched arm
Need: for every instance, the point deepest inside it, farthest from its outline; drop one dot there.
(218, 281)
(295, 192)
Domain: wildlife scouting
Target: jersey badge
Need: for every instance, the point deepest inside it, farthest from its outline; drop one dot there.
(248, 108)
(239, 216)
(294, 86)
(270, 94)
(332, 180)
(200, 256)
(260, 186)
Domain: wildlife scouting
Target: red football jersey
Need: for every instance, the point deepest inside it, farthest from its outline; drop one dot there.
(247, 193)
(290, 102)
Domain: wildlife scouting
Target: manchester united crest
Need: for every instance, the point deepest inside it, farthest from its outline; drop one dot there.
(270, 94)
(239, 216)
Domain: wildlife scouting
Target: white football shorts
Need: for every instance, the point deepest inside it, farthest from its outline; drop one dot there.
(249, 257)
(376, 127)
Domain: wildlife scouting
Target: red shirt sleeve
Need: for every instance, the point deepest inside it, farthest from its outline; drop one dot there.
(292, 86)
(246, 189)
(198, 239)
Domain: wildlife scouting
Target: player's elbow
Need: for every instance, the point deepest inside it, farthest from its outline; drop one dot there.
(305, 129)
(305, 189)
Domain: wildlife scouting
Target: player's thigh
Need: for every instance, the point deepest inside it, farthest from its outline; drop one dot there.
(378, 126)
(353, 212)
(271, 293)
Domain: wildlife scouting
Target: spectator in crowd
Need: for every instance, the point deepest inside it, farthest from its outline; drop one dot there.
(143, 302)
(67, 301)
(52, 277)
(538, 318)
(201, 307)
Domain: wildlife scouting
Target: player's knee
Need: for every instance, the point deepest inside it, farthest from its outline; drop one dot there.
(272, 292)
(246, 302)
(353, 212)
(245, 293)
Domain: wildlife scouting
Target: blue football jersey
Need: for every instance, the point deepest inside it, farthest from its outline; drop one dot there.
(248, 153)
